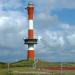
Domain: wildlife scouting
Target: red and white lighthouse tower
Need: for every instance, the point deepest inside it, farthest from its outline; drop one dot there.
(30, 41)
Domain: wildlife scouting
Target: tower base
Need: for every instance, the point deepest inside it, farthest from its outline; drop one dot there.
(30, 55)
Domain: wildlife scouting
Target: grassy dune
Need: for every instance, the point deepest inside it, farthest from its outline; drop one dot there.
(27, 66)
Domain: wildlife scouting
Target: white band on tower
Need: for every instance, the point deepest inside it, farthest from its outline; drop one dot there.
(31, 48)
(30, 24)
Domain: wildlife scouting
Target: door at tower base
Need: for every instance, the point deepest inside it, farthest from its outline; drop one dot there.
(30, 55)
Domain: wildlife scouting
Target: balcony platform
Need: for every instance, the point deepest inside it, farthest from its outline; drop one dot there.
(30, 41)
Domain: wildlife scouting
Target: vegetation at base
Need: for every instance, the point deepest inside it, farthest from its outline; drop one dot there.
(23, 69)
(3, 65)
(29, 63)
(22, 63)
(27, 66)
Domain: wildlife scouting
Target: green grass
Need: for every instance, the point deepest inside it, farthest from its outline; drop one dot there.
(27, 66)
(25, 63)
(26, 69)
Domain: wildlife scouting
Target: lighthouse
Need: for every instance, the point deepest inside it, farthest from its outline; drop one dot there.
(30, 40)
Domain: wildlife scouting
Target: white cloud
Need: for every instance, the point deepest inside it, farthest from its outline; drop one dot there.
(12, 29)
(50, 40)
(10, 4)
(48, 5)
(46, 21)
(71, 39)
(53, 39)
(68, 3)
(65, 26)
(53, 32)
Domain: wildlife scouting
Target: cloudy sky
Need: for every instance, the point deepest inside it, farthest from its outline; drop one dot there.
(54, 23)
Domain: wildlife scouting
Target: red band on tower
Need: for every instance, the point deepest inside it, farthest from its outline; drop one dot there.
(30, 12)
(30, 54)
(30, 34)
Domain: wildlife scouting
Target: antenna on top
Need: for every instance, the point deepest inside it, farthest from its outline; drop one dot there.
(30, 3)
